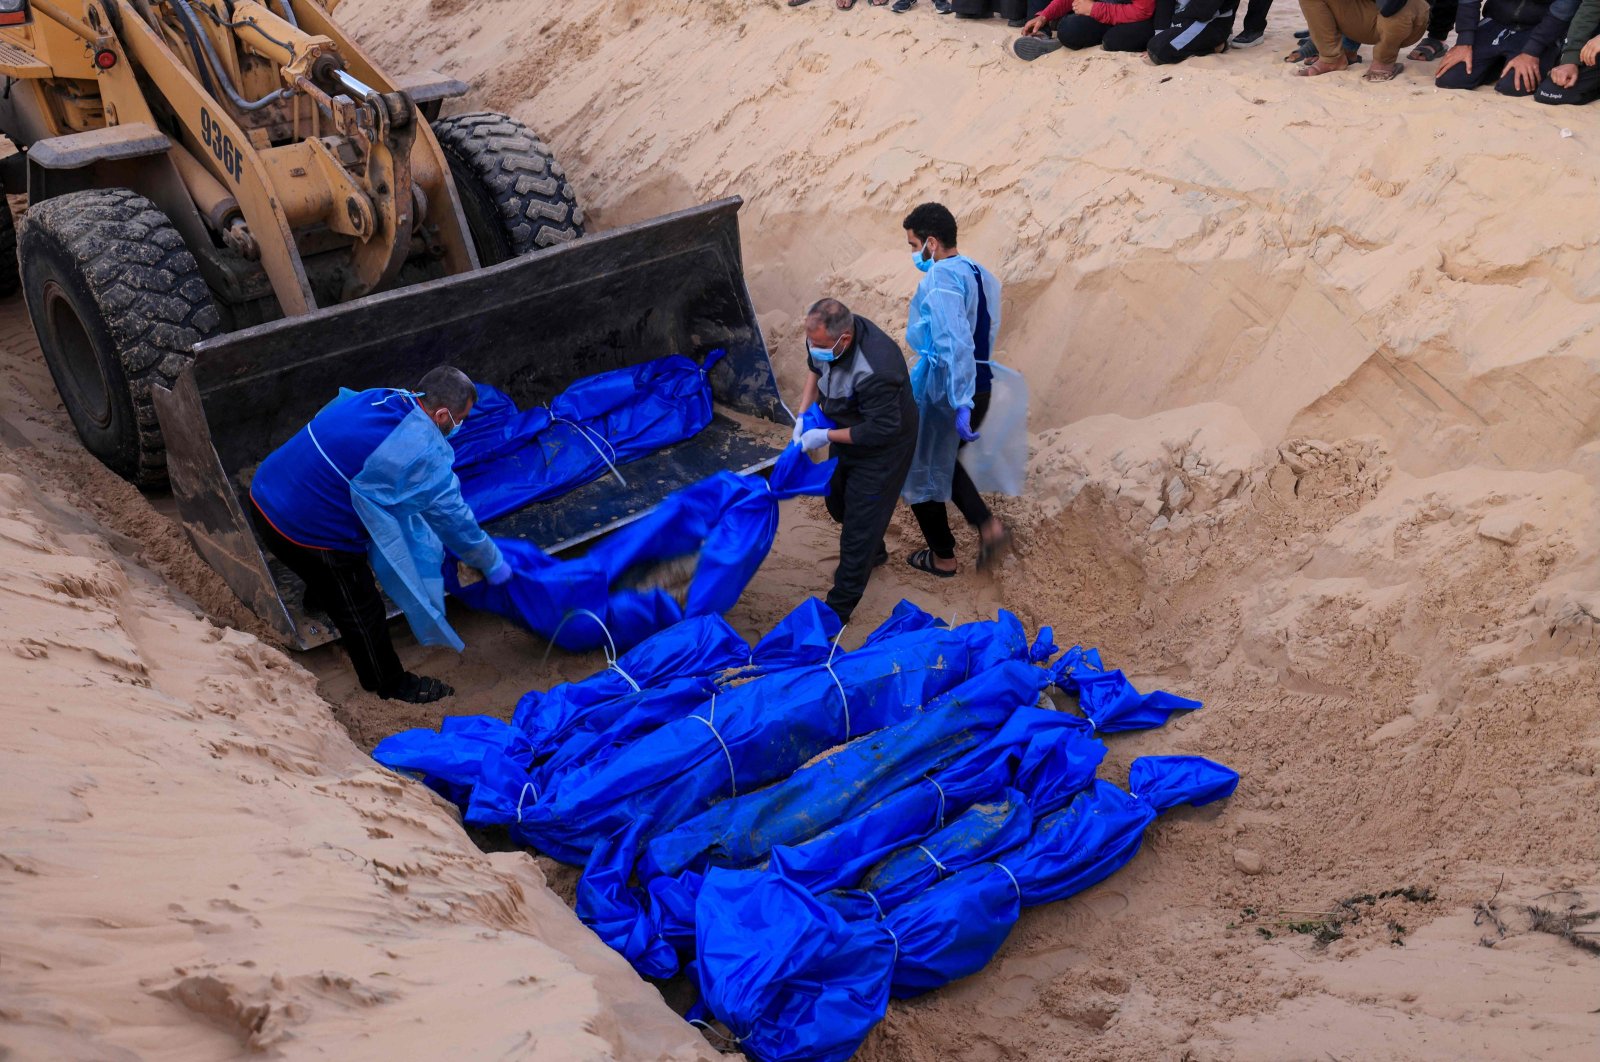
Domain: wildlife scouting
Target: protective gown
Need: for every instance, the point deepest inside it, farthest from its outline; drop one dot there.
(405, 494)
(946, 331)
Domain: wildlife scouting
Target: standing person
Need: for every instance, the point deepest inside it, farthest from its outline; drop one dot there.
(1576, 79)
(858, 377)
(1387, 25)
(368, 486)
(1254, 29)
(952, 327)
(1513, 43)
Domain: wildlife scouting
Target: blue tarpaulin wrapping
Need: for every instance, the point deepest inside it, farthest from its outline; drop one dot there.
(724, 526)
(747, 919)
(508, 458)
(760, 732)
(802, 891)
(1109, 699)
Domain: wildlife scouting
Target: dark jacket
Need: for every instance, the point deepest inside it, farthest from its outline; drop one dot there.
(1584, 25)
(1546, 18)
(868, 390)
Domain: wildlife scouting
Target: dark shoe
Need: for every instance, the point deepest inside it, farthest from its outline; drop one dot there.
(419, 689)
(1016, 23)
(922, 561)
(944, 7)
(900, 7)
(1248, 39)
(1030, 48)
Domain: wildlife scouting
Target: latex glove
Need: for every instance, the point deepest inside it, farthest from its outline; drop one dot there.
(964, 425)
(814, 439)
(799, 430)
(500, 574)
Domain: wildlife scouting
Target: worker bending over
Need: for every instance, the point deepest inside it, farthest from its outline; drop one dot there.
(370, 480)
(858, 376)
(952, 326)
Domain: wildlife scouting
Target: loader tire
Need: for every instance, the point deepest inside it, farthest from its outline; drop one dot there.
(10, 278)
(118, 304)
(515, 194)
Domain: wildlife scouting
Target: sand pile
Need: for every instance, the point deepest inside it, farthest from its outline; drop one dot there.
(197, 863)
(1314, 395)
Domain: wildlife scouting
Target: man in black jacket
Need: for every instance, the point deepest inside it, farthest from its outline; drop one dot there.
(1514, 43)
(859, 378)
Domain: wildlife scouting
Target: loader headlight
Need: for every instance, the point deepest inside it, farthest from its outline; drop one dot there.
(13, 12)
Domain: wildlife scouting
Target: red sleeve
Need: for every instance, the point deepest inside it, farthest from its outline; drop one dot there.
(1116, 14)
(1058, 9)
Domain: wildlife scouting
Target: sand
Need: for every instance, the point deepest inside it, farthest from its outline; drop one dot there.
(1314, 411)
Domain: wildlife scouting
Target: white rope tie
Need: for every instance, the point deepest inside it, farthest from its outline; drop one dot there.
(1013, 878)
(524, 795)
(733, 780)
(933, 859)
(706, 1028)
(590, 436)
(875, 903)
(940, 789)
(896, 940)
(843, 696)
(611, 646)
(336, 470)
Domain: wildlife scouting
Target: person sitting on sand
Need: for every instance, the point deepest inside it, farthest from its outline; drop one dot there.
(1577, 78)
(1115, 25)
(1388, 26)
(1198, 27)
(1514, 43)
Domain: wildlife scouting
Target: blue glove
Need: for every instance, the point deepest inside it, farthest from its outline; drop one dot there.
(500, 574)
(814, 439)
(964, 425)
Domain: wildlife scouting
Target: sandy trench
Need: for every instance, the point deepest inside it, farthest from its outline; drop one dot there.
(1315, 409)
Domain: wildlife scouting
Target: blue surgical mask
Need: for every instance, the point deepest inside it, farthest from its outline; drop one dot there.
(455, 425)
(822, 353)
(922, 258)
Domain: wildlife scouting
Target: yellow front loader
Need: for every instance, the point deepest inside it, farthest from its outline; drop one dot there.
(232, 212)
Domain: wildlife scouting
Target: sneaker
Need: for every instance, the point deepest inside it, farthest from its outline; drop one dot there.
(902, 6)
(1030, 48)
(1247, 39)
(944, 7)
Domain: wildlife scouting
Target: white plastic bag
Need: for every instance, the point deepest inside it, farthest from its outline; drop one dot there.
(997, 460)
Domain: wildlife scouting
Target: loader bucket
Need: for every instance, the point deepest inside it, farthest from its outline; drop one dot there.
(530, 326)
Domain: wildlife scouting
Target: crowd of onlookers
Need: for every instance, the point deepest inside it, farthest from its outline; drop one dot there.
(1548, 49)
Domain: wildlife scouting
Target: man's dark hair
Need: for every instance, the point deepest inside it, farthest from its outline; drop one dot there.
(932, 219)
(833, 315)
(449, 387)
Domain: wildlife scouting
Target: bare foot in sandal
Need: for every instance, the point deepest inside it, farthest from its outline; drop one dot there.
(1324, 66)
(1380, 72)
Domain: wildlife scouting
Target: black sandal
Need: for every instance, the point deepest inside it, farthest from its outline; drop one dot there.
(922, 561)
(1428, 50)
(419, 689)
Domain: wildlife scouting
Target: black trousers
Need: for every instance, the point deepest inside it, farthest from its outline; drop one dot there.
(1082, 31)
(1587, 90)
(1494, 45)
(932, 516)
(1255, 16)
(1185, 40)
(1442, 19)
(342, 585)
(861, 498)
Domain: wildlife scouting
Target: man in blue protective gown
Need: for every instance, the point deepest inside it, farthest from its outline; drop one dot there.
(952, 326)
(858, 378)
(367, 487)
